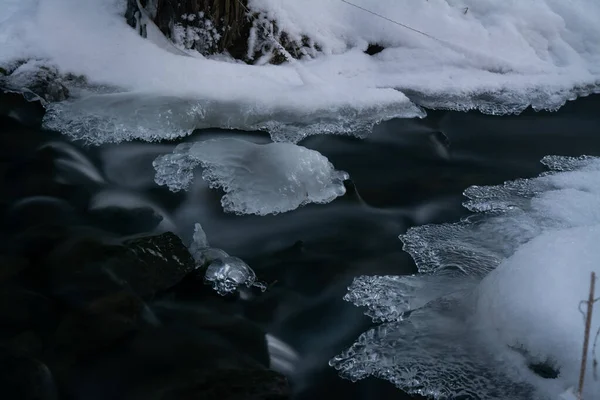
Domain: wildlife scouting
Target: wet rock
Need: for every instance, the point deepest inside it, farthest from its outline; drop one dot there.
(11, 266)
(162, 260)
(98, 326)
(183, 354)
(36, 82)
(214, 322)
(40, 210)
(84, 269)
(25, 378)
(224, 384)
(374, 49)
(14, 107)
(24, 310)
(86, 334)
(125, 221)
(27, 343)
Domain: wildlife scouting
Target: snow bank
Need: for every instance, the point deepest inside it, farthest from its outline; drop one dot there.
(495, 311)
(257, 179)
(494, 55)
(161, 94)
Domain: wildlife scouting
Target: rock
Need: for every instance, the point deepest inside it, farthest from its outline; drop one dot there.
(190, 341)
(125, 221)
(219, 26)
(14, 108)
(206, 26)
(162, 261)
(83, 269)
(23, 310)
(36, 82)
(374, 49)
(224, 384)
(99, 325)
(10, 266)
(86, 334)
(25, 378)
(27, 343)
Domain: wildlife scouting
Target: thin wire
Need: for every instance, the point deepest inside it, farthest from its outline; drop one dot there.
(504, 65)
(392, 21)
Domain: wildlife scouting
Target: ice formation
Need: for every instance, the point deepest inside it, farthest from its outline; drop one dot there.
(493, 55)
(287, 116)
(494, 311)
(256, 178)
(226, 274)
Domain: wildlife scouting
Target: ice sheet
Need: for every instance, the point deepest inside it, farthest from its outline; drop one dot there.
(495, 310)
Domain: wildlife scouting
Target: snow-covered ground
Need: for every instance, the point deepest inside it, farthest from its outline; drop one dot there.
(499, 56)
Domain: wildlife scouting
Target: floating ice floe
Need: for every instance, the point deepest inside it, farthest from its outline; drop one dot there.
(257, 178)
(495, 311)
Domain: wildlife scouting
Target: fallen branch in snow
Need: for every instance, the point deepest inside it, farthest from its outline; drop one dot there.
(586, 338)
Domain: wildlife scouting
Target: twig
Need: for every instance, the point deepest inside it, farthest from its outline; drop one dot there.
(586, 337)
(595, 362)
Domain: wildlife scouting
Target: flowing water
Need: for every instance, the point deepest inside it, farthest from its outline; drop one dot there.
(407, 172)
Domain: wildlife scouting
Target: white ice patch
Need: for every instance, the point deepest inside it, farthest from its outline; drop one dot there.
(224, 273)
(256, 178)
(288, 115)
(496, 303)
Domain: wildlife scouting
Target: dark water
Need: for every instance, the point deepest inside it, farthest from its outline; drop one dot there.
(408, 172)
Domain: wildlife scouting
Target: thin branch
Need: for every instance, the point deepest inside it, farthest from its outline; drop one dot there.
(595, 362)
(586, 337)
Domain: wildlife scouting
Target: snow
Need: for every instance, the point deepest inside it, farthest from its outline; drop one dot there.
(498, 56)
(154, 83)
(547, 279)
(257, 179)
(512, 53)
(497, 292)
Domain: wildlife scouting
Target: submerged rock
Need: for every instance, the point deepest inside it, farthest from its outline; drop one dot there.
(229, 384)
(25, 378)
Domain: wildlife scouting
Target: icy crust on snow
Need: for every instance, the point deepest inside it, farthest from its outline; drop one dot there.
(118, 117)
(496, 294)
(257, 179)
